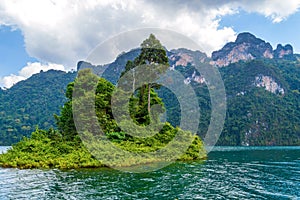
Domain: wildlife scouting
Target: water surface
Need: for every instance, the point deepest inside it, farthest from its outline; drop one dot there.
(228, 173)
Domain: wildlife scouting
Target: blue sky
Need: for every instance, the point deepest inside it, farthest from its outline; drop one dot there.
(284, 32)
(56, 34)
(12, 50)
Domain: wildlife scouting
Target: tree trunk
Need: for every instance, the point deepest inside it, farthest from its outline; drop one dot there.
(133, 82)
(149, 100)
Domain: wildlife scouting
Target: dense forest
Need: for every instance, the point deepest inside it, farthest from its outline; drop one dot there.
(89, 136)
(32, 103)
(256, 116)
(262, 98)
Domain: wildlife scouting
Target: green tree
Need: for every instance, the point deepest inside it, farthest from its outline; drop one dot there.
(32, 103)
(153, 55)
(104, 89)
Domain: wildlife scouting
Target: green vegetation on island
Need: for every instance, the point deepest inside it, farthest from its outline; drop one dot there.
(255, 115)
(63, 148)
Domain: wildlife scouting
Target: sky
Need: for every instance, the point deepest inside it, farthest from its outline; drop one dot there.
(40, 35)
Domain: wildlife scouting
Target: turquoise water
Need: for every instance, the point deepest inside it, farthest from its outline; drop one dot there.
(228, 173)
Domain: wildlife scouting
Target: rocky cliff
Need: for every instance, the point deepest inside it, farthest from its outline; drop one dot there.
(248, 47)
(182, 59)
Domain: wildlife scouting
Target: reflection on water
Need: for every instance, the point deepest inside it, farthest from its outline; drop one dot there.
(229, 173)
(3, 149)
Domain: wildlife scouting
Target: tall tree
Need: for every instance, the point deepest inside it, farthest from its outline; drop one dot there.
(153, 54)
(104, 89)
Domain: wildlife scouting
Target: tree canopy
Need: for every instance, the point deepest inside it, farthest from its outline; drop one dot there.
(64, 148)
(153, 55)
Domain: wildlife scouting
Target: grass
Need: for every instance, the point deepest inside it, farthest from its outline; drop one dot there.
(47, 149)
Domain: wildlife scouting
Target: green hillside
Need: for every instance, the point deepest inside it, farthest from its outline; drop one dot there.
(256, 116)
(263, 102)
(32, 103)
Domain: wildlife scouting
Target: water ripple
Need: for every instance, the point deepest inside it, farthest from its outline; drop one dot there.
(236, 174)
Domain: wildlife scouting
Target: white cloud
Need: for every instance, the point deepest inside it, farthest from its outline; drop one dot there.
(26, 72)
(8, 81)
(276, 10)
(65, 31)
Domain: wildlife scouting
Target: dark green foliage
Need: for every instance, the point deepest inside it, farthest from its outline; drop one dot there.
(114, 70)
(256, 116)
(273, 119)
(129, 66)
(31, 103)
(64, 149)
(48, 149)
(138, 107)
(152, 52)
(152, 55)
(104, 89)
(172, 107)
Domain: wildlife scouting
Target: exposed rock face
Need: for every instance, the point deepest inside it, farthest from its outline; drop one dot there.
(196, 78)
(178, 58)
(283, 51)
(245, 47)
(248, 47)
(184, 60)
(269, 84)
(184, 57)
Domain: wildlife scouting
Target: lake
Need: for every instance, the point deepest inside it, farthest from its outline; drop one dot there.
(228, 173)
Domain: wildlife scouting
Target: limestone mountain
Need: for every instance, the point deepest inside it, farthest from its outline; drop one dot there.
(111, 71)
(262, 91)
(262, 87)
(248, 47)
(177, 57)
(263, 102)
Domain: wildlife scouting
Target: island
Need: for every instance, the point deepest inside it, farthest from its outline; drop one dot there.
(64, 148)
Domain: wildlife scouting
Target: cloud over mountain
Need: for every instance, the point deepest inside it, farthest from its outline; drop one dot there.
(26, 72)
(64, 31)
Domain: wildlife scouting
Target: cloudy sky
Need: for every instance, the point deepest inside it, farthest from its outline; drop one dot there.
(54, 34)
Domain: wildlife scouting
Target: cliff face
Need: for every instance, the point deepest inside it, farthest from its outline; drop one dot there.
(269, 84)
(248, 47)
(182, 59)
(262, 95)
(283, 51)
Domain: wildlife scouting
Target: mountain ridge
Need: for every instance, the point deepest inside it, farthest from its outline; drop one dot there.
(249, 47)
(258, 86)
(31, 103)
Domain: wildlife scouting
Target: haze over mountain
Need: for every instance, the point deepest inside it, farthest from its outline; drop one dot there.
(262, 88)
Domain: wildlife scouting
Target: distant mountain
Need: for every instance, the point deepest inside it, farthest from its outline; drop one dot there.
(32, 103)
(113, 70)
(262, 88)
(263, 101)
(177, 57)
(247, 47)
